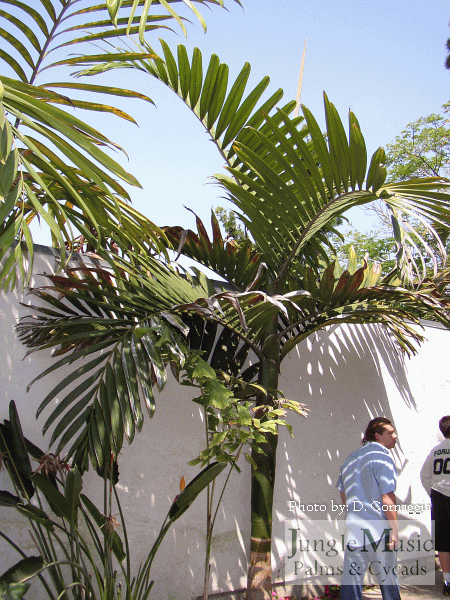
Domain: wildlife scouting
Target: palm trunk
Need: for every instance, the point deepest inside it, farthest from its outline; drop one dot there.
(259, 581)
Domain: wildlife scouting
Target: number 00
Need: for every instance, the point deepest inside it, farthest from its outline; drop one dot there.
(441, 466)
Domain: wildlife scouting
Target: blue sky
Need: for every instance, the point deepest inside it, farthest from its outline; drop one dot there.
(384, 60)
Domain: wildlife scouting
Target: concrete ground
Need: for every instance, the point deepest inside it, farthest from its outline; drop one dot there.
(412, 592)
(407, 592)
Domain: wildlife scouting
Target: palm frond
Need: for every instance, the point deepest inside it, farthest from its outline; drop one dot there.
(287, 208)
(127, 336)
(65, 176)
(360, 295)
(337, 296)
(72, 198)
(226, 109)
(34, 31)
(289, 183)
(239, 264)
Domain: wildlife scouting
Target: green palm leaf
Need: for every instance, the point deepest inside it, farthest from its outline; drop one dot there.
(359, 295)
(237, 264)
(58, 18)
(223, 112)
(131, 326)
(300, 188)
(64, 196)
(227, 115)
(65, 177)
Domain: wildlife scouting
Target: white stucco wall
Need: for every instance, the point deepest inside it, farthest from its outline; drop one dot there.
(345, 375)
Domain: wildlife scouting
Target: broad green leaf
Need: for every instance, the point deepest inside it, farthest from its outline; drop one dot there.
(103, 524)
(121, 392)
(338, 146)
(320, 149)
(171, 65)
(16, 591)
(217, 394)
(110, 398)
(358, 153)
(99, 449)
(129, 369)
(157, 363)
(202, 371)
(352, 263)
(8, 499)
(218, 95)
(6, 134)
(184, 72)
(21, 572)
(244, 415)
(13, 64)
(196, 78)
(374, 176)
(34, 513)
(72, 490)
(194, 488)
(8, 173)
(241, 116)
(20, 454)
(56, 500)
(101, 89)
(141, 361)
(113, 7)
(233, 100)
(208, 85)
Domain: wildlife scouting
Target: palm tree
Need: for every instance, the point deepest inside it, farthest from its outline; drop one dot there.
(281, 286)
(289, 183)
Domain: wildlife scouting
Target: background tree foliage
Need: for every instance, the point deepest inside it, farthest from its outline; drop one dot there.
(372, 247)
(233, 229)
(422, 149)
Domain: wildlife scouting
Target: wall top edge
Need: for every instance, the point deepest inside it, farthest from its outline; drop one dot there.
(49, 251)
(434, 324)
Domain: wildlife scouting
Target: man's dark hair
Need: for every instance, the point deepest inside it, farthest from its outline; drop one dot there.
(376, 425)
(444, 426)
